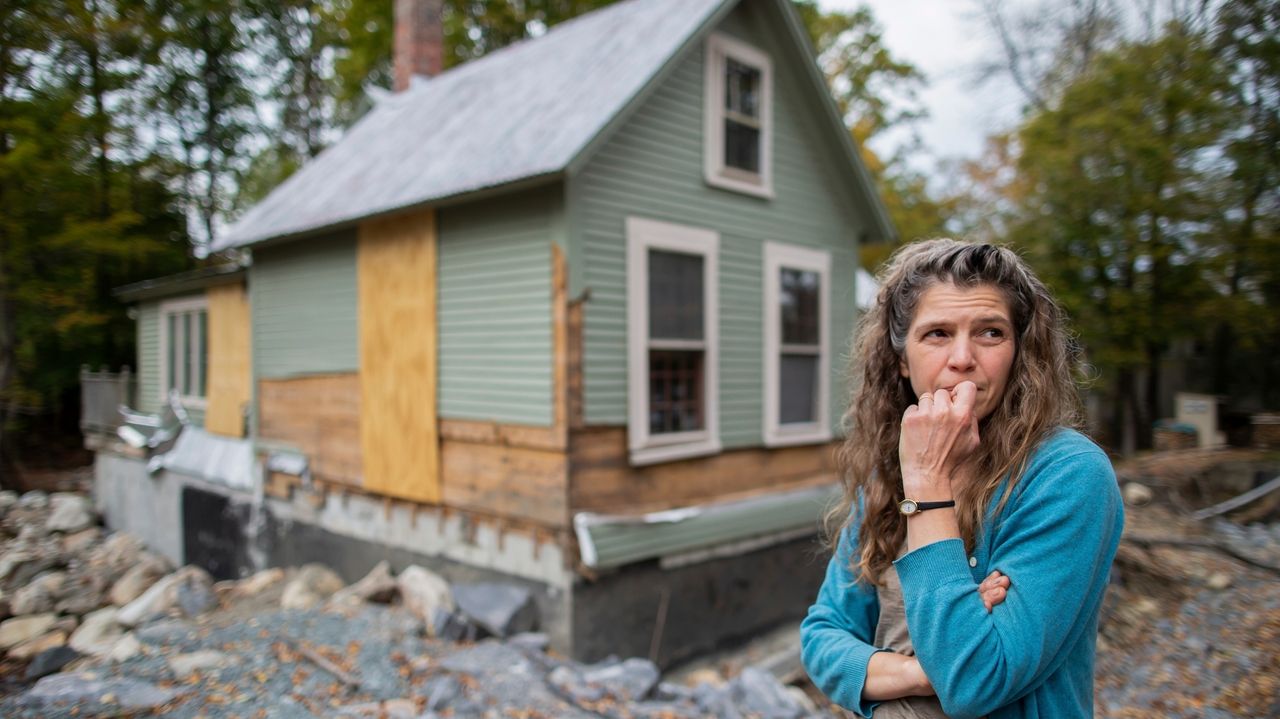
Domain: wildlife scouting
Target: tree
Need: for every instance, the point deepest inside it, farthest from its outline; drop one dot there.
(1120, 170)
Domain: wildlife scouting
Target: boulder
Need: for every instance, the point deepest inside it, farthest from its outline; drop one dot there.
(125, 648)
(40, 596)
(98, 633)
(150, 569)
(376, 586)
(313, 584)
(630, 680)
(118, 553)
(424, 592)
(49, 661)
(1136, 494)
(32, 647)
(8, 498)
(20, 629)
(188, 591)
(259, 581)
(80, 598)
(82, 689)
(757, 693)
(453, 627)
(69, 513)
(34, 499)
(500, 609)
(80, 542)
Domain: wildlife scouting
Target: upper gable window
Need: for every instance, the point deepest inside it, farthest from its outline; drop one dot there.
(738, 114)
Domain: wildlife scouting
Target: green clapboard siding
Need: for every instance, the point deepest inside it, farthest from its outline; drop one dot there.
(652, 167)
(148, 398)
(302, 298)
(495, 308)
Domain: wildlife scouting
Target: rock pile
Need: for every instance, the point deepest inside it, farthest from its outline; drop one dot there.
(94, 623)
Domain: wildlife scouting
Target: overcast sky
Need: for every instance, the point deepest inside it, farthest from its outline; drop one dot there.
(944, 39)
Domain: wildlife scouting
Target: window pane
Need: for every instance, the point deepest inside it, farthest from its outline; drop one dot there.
(187, 340)
(172, 360)
(202, 353)
(799, 306)
(741, 88)
(675, 296)
(741, 146)
(798, 390)
(675, 391)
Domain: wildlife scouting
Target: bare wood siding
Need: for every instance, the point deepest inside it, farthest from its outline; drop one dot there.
(603, 481)
(230, 370)
(397, 286)
(319, 416)
(652, 167)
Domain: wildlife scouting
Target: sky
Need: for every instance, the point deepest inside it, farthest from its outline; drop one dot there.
(945, 40)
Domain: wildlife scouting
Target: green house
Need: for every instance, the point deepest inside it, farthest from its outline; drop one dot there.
(573, 314)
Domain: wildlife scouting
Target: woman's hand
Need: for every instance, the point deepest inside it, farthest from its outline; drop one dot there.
(893, 676)
(993, 590)
(938, 434)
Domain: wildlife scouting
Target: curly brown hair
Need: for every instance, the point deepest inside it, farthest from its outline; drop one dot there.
(1041, 393)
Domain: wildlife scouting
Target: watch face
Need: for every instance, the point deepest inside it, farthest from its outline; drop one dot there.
(908, 506)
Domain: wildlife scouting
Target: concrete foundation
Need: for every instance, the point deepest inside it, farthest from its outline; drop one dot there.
(675, 613)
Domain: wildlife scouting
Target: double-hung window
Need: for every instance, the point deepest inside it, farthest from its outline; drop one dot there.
(797, 344)
(672, 341)
(184, 343)
(738, 116)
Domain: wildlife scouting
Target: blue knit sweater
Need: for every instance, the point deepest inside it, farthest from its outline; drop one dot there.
(1032, 656)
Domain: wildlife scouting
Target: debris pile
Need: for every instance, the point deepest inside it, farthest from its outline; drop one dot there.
(95, 624)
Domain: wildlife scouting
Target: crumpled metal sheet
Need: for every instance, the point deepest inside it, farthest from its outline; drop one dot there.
(197, 453)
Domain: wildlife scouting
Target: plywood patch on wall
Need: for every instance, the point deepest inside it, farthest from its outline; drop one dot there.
(396, 281)
(520, 483)
(230, 376)
(320, 417)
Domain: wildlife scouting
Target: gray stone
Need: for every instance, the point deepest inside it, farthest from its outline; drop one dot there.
(98, 634)
(188, 590)
(20, 629)
(716, 701)
(8, 498)
(125, 648)
(672, 692)
(12, 559)
(423, 592)
(26, 572)
(258, 582)
(89, 691)
(310, 586)
(69, 513)
(34, 499)
(627, 681)
(166, 631)
(501, 609)
(81, 598)
(454, 627)
(569, 683)
(758, 693)
(486, 658)
(530, 641)
(1136, 494)
(40, 596)
(50, 661)
(138, 579)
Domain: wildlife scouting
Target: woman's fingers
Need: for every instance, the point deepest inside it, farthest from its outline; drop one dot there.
(994, 590)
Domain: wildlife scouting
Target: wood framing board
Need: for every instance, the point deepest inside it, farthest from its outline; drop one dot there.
(560, 351)
(396, 281)
(230, 384)
(320, 417)
(602, 480)
(519, 483)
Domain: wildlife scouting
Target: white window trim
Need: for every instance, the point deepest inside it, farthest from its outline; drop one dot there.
(643, 235)
(168, 308)
(777, 256)
(720, 47)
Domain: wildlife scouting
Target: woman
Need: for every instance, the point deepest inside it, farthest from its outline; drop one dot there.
(977, 528)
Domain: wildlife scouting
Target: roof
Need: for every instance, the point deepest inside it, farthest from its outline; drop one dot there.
(180, 283)
(526, 112)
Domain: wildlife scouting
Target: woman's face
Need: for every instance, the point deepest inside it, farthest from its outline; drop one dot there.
(958, 334)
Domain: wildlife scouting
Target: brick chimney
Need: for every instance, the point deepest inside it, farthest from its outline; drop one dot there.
(419, 42)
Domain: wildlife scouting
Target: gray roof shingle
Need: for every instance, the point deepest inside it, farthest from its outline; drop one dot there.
(524, 111)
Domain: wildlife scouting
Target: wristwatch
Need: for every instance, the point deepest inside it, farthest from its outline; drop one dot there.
(909, 507)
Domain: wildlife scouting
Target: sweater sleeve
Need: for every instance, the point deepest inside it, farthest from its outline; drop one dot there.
(836, 635)
(1055, 540)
